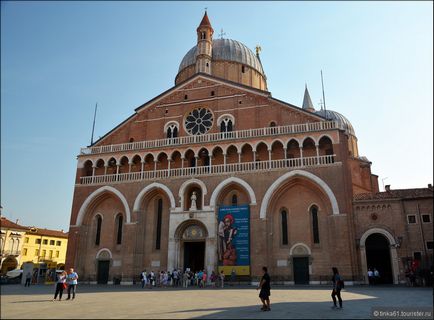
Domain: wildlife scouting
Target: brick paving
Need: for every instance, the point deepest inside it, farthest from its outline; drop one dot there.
(119, 302)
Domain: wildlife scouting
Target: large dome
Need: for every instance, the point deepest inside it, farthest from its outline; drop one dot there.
(336, 116)
(226, 50)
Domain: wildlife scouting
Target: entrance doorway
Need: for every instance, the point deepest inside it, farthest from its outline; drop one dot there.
(301, 270)
(378, 257)
(103, 271)
(194, 255)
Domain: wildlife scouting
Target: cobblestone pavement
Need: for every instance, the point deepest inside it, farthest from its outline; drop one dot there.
(117, 302)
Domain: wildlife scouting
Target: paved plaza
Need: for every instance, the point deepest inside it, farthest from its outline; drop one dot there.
(119, 302)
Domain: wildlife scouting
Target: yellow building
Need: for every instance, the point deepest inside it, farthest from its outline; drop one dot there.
(11, 242)
(45, 246)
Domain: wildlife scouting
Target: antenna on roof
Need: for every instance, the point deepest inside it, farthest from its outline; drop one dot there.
(323, 96)
(93, 126)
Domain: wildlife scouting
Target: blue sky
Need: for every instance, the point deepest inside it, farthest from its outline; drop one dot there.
(59, 58)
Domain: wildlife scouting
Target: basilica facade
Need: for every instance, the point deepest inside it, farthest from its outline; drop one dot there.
(217, 174)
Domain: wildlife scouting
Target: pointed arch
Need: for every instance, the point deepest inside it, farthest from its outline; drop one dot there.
(152, 186)
(186, 184)
(298, 173)
(224, 183)
(94, 195)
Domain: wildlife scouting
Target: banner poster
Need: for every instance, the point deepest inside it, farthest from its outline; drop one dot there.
(233, 236)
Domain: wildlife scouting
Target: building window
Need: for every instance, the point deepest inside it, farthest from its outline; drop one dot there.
(315, 227)
(234, 200)
(25, 252)
(411, 218)
(198, 121)
(417, 256)
(429, 245)
(98, 230)
(51, 242)
(243, 69)
(26, 240)
(426, 218)
(119, 220)
(57, 254)
(36, 252)
(45, 241)
(51, 254)
(212, 93)
(172, 131)
(203, 36)
(44, 252)
(58, 243)
(159, 218)
(284, 220)
(272, 124)
(38, 241)
(226, 123)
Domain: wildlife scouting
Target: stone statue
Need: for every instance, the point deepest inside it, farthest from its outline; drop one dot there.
(193, 201)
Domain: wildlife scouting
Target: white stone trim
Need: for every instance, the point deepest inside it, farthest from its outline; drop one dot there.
(224, 183)
(302, 245)
(185, 185)
(326, 135)
(176, 123)
(102, 250)
(94, 195)
(152, 186)
(307, 137)
(226, 115)
(296, 173)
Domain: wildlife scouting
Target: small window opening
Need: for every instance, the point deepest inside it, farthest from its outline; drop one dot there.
(243, 69)
(212, 93)
(131, 139)
(185, 97)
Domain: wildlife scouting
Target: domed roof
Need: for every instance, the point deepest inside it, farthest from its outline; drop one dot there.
(226, 50)
(336, 116)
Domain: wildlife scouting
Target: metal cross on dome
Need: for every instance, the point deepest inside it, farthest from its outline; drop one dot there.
(222, 34)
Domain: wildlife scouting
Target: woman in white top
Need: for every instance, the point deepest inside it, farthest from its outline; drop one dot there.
(60, 285)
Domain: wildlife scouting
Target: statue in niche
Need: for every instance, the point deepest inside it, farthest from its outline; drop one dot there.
(193, 201)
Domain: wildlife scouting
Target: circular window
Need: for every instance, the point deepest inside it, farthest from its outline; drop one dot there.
(199, 121)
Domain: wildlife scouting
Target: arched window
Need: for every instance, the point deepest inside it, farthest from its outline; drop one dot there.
(98, 230)
(119, 220)
(159, 218)
(234, 200)
(172, 130)
(272, 124)
(226, 123)
(203, 35)
(284, 221)
(315, 227)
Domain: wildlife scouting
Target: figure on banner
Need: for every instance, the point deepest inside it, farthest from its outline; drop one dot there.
(226, 233)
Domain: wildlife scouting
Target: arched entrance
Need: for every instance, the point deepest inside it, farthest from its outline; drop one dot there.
(103, 266)
(381, 250)
(193, 247)
(10, 263)
(300, 259)
(378, 256)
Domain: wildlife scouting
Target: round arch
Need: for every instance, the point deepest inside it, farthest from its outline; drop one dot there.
(300, 244)
(298, 173)
(152, 186)
(95, 195)
(100, 253)
(186, 184)
(393, 252)
(183, 225)
(224, 183)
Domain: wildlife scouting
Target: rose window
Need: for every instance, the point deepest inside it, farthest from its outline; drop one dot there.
(199, 121)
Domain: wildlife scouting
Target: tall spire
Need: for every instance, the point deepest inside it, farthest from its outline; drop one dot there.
(205, 22)
(307, 102)
(204, 45)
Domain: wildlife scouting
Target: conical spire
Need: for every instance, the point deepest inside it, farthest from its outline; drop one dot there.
(307, 102)
(205, 22)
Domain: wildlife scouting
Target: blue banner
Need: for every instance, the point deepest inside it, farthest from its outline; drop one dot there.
(234, 239)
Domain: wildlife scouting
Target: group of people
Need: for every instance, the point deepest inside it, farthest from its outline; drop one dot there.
(177, 278)
(66, 281)
(373, 276)
(265, 289)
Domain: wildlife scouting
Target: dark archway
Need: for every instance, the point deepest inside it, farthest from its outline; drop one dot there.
(378, 257)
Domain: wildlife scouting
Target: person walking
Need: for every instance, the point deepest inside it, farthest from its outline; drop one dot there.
(222, 279)
(60, 285)
(72, 279)
(370, 276)
(265, 287)
(185, 279)
(28, 279)
(233, 277)
(204, 279)
(376, 276)
(144, 278)
(337, 287)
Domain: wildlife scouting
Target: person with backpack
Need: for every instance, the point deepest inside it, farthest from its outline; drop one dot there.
(338, 285)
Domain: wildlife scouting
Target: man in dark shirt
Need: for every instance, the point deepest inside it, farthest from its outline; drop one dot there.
(264, 294)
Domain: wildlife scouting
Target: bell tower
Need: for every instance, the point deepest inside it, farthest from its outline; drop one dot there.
(204, 46)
